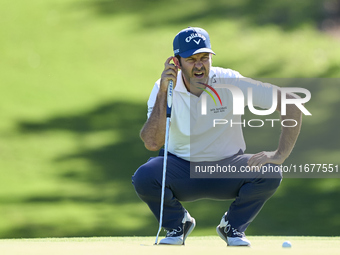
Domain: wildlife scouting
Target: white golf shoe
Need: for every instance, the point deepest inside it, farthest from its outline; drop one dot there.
(231, 235)
(177, 236)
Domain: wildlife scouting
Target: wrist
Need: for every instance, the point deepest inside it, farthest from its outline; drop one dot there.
(163, 88)
(282, 156)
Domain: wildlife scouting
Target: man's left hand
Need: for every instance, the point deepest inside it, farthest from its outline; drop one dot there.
(265, 157)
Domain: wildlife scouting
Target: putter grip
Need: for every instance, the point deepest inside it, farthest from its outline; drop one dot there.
(169, 99)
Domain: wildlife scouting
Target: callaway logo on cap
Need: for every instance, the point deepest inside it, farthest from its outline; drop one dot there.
(190, 41)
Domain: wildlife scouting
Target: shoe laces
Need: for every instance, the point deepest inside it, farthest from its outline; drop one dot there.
(174, 232)
(237, 233)
(234, 232)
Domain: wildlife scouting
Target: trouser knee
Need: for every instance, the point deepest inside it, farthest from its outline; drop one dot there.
(273, 177)
(145, 180)
(272, 183)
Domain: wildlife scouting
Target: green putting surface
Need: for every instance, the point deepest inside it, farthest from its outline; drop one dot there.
(144, 245)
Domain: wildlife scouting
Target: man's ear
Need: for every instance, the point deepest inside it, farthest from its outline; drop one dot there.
(176, 62)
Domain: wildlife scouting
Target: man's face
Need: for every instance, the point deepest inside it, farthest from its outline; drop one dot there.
(196, 68)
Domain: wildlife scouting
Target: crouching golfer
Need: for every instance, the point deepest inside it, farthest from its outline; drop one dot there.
(197, 142)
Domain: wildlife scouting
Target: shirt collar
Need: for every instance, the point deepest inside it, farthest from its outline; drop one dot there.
(180, 87)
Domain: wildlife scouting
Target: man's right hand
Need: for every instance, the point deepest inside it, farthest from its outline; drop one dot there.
(153, 131)
(169, 73)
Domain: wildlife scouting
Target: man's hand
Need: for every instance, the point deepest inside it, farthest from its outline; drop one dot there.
(153, 131)
(169, 73)
(265, 157)
(287, 138)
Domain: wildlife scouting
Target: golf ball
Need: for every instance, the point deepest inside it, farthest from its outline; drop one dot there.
(286, 244)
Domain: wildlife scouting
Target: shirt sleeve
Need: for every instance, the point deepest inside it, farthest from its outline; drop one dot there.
(262, 93)
(152, 97)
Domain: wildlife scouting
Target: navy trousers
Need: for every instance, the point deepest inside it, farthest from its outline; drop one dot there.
(249, 193)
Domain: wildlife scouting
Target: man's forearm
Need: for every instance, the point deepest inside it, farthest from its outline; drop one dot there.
(289, 135)
(153, 131)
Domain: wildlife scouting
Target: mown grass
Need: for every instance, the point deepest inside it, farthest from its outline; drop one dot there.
(75, 78)
(144, 245)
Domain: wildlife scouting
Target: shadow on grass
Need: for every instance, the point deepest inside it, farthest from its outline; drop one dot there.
(114, 162)
(286, 14)
(300, 207)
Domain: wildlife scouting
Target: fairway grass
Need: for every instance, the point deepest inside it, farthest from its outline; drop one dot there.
(144, 245)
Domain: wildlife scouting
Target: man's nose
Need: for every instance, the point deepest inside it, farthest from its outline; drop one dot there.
(198, 64)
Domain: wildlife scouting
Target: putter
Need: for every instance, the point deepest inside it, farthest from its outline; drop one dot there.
(168, 116)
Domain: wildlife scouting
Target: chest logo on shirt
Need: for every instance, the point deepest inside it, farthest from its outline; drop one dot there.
(209, 93)
(218, 109)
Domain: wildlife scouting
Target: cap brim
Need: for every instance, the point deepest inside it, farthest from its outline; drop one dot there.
(189, 53)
